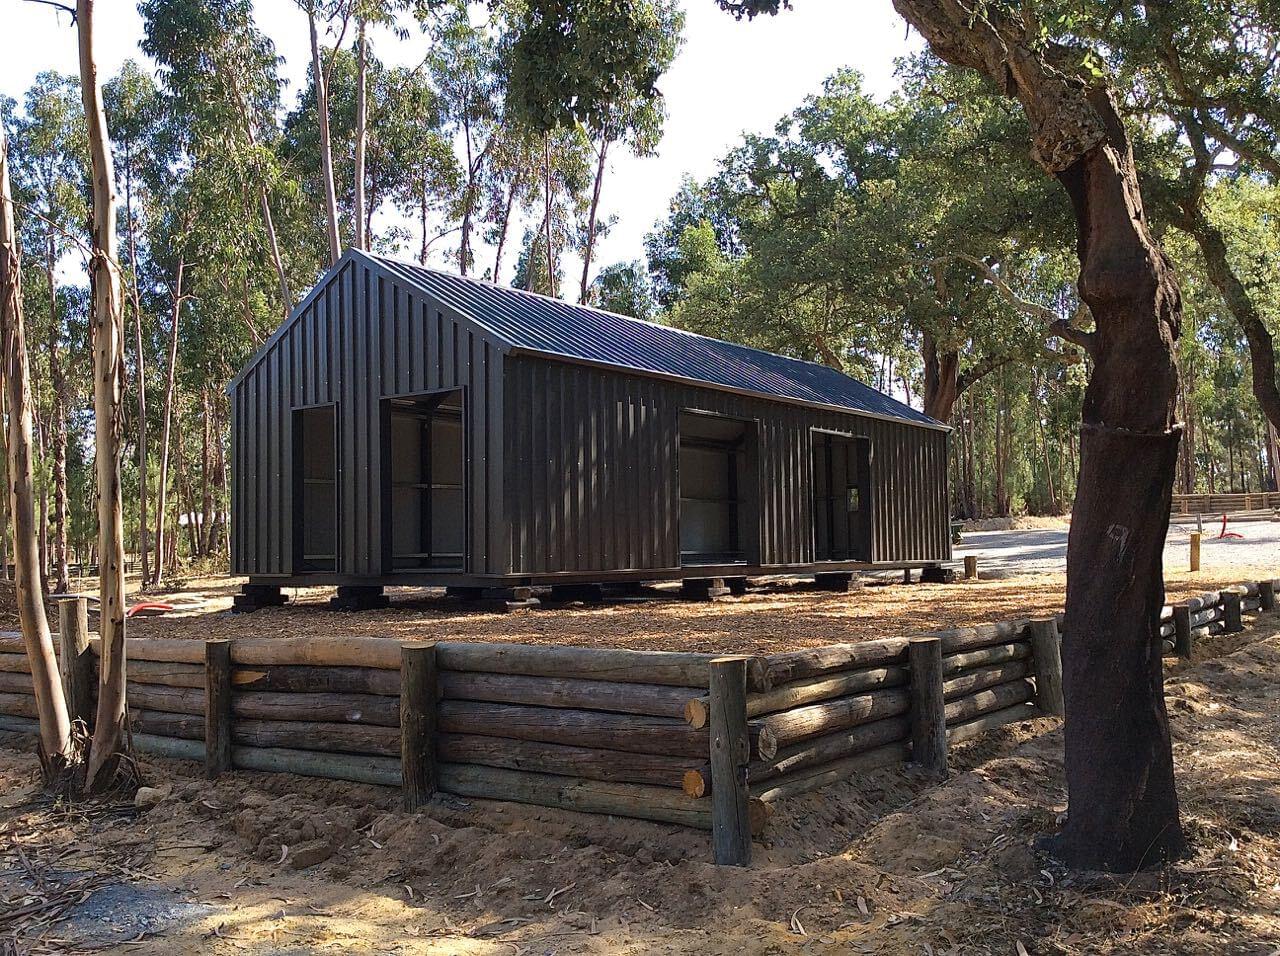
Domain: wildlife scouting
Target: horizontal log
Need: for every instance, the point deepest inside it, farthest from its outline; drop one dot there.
(171, 747)
(18, 705)
(317, 735)
(656, 700)
(1204, 600)
(792, 726)
(15, 682)
(169, 673)
(984, 657)
(309, 763)
(811, 662)
(675, 669)
(980, 678)
(584, 728)
(588, 762)
(808, 780)
(317, 679)
(14, 663)
(375, 652)
(371, 709)
(800, 693)
(161, 723)
(817, 661)
(990, 721)
(820, 750)
(19, 725)
(174, 700)
(587, 796)
(992, 698)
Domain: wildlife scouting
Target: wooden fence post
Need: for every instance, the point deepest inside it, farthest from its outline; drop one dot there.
(928, 706)
(1046, 660)
(730, 753)
(419, 702)
(970, 567)
(1195, 550)
(1231, 622)
(217, 707)
(1266, 595)
(76, 661)
(1183, 641)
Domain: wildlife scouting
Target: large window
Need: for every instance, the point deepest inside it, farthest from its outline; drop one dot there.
(427, 463)
(316, 482)
(841, 487)
(716, 487)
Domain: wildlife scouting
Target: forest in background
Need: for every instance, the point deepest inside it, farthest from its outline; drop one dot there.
(908, 241)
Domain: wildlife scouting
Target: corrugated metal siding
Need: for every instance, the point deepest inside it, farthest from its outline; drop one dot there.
(566, 514)
(361, 337)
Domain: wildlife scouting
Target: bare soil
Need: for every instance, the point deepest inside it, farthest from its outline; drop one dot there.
(887, 863)
(776, 616)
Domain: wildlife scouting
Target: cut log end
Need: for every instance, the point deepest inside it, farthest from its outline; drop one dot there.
(697, 713)
(694, 783)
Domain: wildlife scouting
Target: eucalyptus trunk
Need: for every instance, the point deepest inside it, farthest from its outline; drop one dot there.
(166, 429)
(51, 707)
(321, 80)
(362, 133)
(110, 764)
(591, 219)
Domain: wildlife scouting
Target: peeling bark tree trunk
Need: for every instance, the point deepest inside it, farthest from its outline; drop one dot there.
(1123, 808)
(141, 360)
(362, 133)
(109, 766)
(167, 427)
(51, 706)
(321, 80)
(591, 218)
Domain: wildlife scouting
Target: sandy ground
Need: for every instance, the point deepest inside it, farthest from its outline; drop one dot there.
(887, 863)
(777, 616)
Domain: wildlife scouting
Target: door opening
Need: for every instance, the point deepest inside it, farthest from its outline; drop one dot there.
(426, 469)
(841, 497)
(717, 490)
(315, 515)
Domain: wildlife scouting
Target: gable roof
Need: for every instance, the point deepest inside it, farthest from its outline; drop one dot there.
(540, 325)
(527, 323)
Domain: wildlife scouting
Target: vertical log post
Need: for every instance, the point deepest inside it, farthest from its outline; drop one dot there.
(1183, 642)
(971, 567)
(75, 660)
(928, 707)
(1231, 622)
(217, 707)
(1046, 661)
(730, 753)
(1195, 550)
(419, 699)
(1266, 595)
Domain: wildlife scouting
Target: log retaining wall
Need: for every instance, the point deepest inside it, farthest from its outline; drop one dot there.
(620, 732)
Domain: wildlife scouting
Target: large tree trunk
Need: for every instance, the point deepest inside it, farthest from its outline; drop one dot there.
(321, 81)
(1123, 808)
(109, 765)
(362, 133)
(58, 385)
(505, 224)
(551, 259)
(941, 379)
(468, 201)
(167, 427)
(591, 219)
(51, 706)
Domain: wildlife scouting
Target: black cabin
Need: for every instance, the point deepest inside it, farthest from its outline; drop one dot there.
(408, 426)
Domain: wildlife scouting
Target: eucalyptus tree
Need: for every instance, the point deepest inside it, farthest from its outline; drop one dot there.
(51, 165)
(220, 72)
(56, 746)
(337, 16)
(465, 72)
(623, 288)
(135, 116)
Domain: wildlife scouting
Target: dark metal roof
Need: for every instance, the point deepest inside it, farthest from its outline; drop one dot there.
(545, 326)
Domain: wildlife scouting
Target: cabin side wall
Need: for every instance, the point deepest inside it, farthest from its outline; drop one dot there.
(592, 481)
(362, 337)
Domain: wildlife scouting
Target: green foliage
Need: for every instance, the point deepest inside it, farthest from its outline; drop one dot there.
(624, 288)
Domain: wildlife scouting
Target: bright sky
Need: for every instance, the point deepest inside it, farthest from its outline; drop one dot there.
(730, 78)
